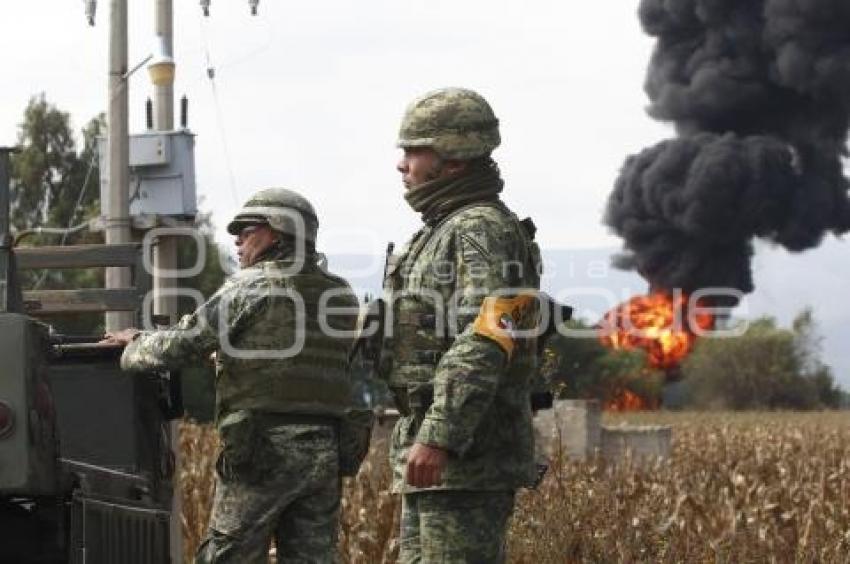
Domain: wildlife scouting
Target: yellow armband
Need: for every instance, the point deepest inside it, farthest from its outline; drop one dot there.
(499, 317)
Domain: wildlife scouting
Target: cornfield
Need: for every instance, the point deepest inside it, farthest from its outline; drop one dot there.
(750, 487)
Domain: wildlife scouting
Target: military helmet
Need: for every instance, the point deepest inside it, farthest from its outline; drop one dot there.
(457, 123)
(280, 208)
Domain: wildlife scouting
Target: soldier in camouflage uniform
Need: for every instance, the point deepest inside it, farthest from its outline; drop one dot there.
(462, 351)
(281, 386)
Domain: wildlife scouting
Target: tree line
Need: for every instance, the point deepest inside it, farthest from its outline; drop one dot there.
(767, 367)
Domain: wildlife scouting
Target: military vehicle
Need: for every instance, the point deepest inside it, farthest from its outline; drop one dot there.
(85, 459)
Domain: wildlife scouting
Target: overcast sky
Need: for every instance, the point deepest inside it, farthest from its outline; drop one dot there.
(308, 95)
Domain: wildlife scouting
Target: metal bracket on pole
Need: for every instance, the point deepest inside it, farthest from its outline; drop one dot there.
(10, 297)
(130, 72)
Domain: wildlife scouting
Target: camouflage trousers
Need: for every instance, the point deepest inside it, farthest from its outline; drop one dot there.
(277, 476)
(454, 527)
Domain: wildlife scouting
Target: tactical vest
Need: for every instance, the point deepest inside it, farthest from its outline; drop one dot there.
(420, 335)
(313, 381)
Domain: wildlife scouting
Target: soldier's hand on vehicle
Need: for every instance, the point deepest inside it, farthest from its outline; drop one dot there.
(425, 465)
(119, 337)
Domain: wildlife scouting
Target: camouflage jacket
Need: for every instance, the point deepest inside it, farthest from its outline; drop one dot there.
(461, 390)
(272, 353)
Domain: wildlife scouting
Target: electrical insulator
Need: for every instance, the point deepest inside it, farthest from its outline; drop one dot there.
(254, 4)
(91, 8)
(149, 114)
(205, 6)
(184, 112)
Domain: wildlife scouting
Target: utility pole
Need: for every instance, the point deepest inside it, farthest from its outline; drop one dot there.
(162, 68)
(162, 71)
(118, 220)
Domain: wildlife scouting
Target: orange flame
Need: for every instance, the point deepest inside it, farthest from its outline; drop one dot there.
(656, 323)
(627, 400)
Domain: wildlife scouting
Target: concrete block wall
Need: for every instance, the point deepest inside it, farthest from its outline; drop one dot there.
(643, 442)
(575, 428)
(572, 425)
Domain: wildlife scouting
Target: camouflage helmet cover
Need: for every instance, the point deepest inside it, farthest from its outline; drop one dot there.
(281, 209)
(456, 122)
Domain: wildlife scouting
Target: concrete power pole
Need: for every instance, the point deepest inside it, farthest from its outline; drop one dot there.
(162, 71)
(118, 220)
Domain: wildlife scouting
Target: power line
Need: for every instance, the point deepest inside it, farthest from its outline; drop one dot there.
(70, 227)
(64, 231)
(80, 196)
(219, 116)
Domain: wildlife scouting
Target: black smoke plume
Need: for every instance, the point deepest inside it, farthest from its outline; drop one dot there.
(759, 92)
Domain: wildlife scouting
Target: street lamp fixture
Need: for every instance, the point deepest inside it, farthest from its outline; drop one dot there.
(161, 68)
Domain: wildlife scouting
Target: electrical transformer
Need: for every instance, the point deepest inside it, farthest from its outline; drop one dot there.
(162, 174)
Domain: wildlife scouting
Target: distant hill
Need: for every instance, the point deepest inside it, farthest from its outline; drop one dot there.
(785, 284)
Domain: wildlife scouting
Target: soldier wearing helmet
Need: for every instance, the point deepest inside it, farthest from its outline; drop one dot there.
(282, 389)
(461, 351)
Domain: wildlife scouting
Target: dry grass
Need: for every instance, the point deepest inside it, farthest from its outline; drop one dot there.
(752, 487)
(198, 452)
(370, 516)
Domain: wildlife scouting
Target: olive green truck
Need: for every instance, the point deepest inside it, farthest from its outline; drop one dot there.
(85, 458)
